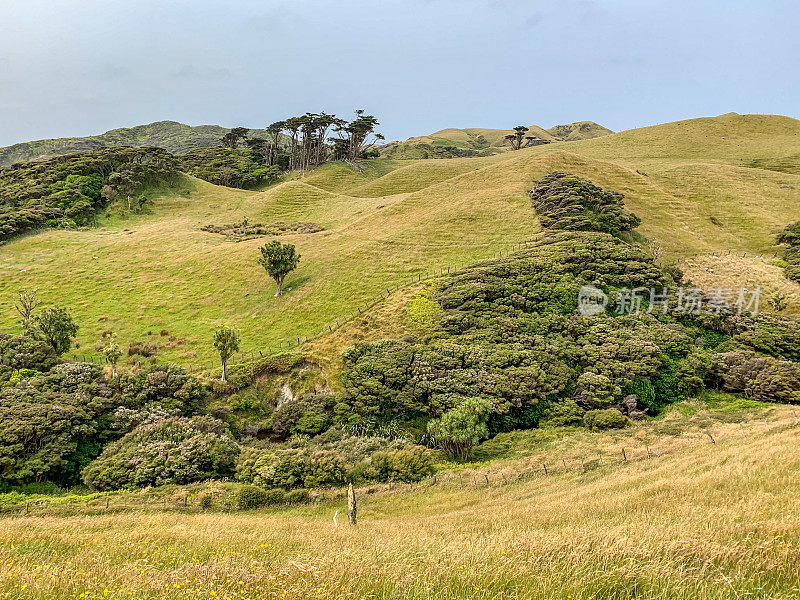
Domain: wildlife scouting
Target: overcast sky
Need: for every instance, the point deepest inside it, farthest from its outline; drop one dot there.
(80, 67)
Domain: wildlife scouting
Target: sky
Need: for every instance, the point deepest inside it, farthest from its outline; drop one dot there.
(81, 67)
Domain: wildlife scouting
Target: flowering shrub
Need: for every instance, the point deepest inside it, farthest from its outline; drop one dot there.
(177, 450)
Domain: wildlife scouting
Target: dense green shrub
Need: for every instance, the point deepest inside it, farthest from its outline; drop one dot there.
(251, 496)
(571, 203)
(563, 414)
(168, 386)
(309, 414)
(407, 464)
(177, 450)
(24, 352)
(47, 426)
(606, 418)
(299, 496)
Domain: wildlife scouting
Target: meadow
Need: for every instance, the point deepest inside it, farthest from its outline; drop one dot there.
(682, 517)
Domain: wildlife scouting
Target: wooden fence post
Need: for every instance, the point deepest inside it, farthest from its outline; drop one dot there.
(351, 505)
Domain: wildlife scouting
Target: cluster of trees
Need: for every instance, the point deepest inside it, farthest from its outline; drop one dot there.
(239, 168)
(306, 141)
(66, 191)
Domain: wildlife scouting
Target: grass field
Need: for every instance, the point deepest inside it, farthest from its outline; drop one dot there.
(692, 183)
(695, 521)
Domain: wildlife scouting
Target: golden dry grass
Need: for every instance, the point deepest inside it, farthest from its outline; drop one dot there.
(699, 521)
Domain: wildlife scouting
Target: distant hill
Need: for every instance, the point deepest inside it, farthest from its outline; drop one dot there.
(453, 142)
(170, 135)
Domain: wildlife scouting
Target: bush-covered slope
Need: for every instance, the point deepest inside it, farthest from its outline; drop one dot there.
(66, 191)
(177, 138)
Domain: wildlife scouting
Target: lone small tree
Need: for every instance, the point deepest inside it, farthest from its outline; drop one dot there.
(462, 427)
(25, 306)
(278, 261)
(113, 354)
(56, 327)
(226, 341)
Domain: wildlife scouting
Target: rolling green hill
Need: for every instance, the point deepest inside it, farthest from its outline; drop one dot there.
(453, 143)
(175, 137)
(693, 184)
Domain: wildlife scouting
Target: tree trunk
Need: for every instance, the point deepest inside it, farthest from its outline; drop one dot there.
(224, 370)
(351, 505)
(279, 281)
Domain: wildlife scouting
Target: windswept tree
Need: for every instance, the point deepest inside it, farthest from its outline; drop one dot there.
(274, 132)
(226, 341)
(515, 139)
(278, 261)
(27, 301)
(56, 327)
(234, 136)
(357, 132)
(293, 125)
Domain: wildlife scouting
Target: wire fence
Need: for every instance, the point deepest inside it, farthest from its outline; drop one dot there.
(584, 460)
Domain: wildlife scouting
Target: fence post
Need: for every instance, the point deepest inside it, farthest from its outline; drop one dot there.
(351, 504)
(624, 456)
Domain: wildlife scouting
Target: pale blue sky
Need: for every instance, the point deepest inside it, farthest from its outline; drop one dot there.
(80, 67)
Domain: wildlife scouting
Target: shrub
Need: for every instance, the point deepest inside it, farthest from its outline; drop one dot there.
(168, 386)
(275, 496)
(24, 352)
(177, 450)
(44, 432)
(297, 496)
(563, 414)
(408, 464)
(569, 202)
(608, 418)
(251, 496)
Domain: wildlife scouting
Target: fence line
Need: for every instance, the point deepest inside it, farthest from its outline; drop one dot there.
(586, 461)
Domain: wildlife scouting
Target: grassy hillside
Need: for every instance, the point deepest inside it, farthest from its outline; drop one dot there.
(454, 142)
(694, 521)
(691, 182)
(175, 137)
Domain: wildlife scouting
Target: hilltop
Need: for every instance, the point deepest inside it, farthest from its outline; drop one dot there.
(453, 142)
(175, 137)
